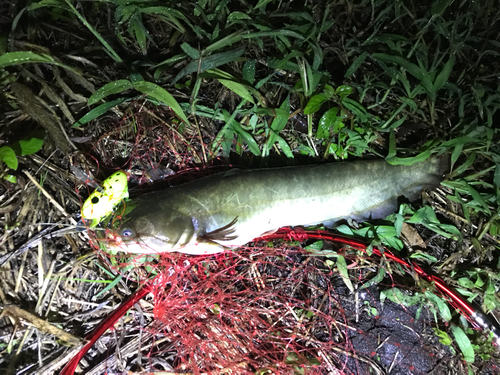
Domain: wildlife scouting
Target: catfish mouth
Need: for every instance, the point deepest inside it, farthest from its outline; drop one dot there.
(113, 240)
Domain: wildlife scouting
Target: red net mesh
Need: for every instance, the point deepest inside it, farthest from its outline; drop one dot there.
(284, 311)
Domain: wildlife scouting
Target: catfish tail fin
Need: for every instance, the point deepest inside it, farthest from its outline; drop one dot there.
(427, 175)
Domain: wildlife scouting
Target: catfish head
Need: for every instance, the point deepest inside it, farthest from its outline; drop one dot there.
(146, 230)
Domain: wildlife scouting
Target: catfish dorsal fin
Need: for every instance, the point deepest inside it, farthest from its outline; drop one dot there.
(231, 172)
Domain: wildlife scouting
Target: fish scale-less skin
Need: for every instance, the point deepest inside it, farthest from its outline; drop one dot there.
(179, 218)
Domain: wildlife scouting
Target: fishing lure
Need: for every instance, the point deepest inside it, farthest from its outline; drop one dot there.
(102, 201)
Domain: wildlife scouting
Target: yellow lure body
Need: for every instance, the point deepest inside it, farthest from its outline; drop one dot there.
(101, 203)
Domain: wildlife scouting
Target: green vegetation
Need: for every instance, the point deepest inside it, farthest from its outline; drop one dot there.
(10, 153)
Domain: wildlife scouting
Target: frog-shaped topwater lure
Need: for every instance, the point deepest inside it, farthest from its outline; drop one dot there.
(102, 201)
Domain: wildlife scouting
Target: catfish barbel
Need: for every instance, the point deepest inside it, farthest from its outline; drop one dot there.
(230, 209)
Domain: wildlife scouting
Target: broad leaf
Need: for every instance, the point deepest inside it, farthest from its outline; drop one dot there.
(9, 157)
(315, 103)
(29, 146)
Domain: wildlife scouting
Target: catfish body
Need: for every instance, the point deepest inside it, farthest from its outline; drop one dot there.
(232, 208)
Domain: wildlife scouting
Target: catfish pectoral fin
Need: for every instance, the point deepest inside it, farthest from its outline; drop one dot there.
(221, 234)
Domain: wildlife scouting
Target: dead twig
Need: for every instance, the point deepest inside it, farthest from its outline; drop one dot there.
(49, 197)
(42, 325)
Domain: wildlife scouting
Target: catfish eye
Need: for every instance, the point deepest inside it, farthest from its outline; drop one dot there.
(127, 232)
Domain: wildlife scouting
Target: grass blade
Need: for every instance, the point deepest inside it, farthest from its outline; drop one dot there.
(96, 112)
(110, 89)
(247, 137)
(190, 51)
(443, 76)
(239, 36)
(22, 57)
(411, 68)
(342, 267)
(209, 62)
(231, 83)
(238, 89)
(278, 124)
(159, 93)
(107, 47)
(463, 343)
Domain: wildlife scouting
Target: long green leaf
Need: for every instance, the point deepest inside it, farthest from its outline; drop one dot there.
(232, 84)
(342, 267)
(377, 279)
(209, 62)
(159, 93)
(280, 120)
(439, 6)
(190, 51)
(278, 124)
(22, 57)
(392, 146)
(441, 305)
(463, 343)
(111, 88)
(171, 60)
(225, 136)
(284, 147)
(356, 108)
(137, 30)
(238, 89)
(443, 76)
(249, 71)
(410, 160)
(170, 15)
(98, 111)
(110, 286)
(262, 3)
(247, 137)
(411, 68)
(111, 52)
(239, 36)
(355, 65)
(238, 16)
(477, 197)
